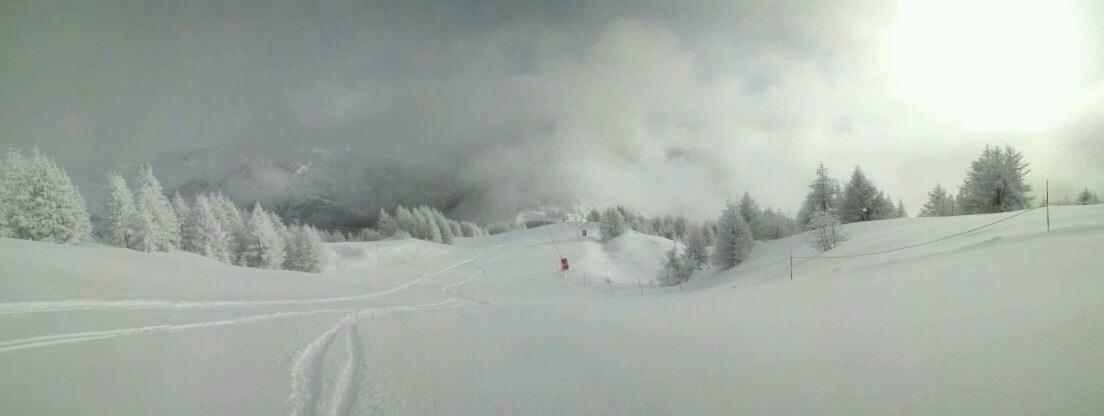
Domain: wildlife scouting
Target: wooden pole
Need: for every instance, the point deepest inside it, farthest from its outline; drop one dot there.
(1048, 204)
(791, 264)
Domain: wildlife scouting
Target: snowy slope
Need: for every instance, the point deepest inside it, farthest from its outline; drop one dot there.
(1004, 320)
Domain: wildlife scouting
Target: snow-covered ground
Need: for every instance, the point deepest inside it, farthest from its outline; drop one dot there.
(1005, 320)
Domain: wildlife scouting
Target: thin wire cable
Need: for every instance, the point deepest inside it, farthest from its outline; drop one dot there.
(550, 237)
(763, 266)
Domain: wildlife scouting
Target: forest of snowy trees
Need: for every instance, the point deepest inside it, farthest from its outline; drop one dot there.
(209, 225)
(724, 242)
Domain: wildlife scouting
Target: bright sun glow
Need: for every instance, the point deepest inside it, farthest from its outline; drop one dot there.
(996, 64)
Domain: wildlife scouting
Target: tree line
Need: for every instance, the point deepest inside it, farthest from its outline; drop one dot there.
(209, 225)
(995, 182)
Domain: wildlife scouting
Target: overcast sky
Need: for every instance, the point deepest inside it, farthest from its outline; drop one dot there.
(666, 106)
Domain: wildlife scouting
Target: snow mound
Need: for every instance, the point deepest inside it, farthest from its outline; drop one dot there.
(381, 254)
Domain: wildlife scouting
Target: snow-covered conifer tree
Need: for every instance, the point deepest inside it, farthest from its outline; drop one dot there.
(594, 216)
(823, 195)
(187, 226)
(697, 253)
(612, 225)
(406, 221)
(939, 203)
(262, 247)
(233, 226)
(749, 209)
(996, 182)
(120, 212)
(1087, 197)
(826, 233)
(901, 212)
(734, 240)
(158, 227)
(210, 239)
(861, 199)
(443, 225)
(41, 202)
(306, 252)
(675, 270)
(386, 224)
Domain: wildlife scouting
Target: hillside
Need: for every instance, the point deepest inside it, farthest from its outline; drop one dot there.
(1003, 320)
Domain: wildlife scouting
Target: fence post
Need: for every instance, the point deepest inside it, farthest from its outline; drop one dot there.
(791, 264)
(1048, 204)
(641, 285)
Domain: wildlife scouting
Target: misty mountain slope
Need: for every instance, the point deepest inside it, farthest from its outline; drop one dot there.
(316, 186)
(1006, 320)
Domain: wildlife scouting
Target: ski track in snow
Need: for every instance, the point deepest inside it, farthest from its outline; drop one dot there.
(50, 340)
(306, 371)
(135, 305)
(307, 368)
(350, 375)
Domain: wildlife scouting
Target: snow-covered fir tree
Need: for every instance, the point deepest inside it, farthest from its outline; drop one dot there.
(1087, 197)
(40, 201)
(996, 182)
(306, 252)
(826, 232)
(939, 204)
(861, 200)
(749, 209)
(158, 227)
(7, 193)
(406, 221)
(594, 216)
(119, 212)
(386, 224)
(470, 229)
(901, 211)
(823, 195)
(676, 269)
(262, 246)
(443, 225)
(883, 207)
(233, 226)
(697, 251)
(734, 241)
(210, 239)
(183, 213)
(612, 225)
